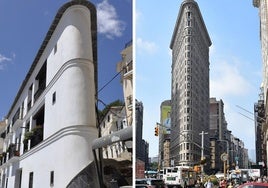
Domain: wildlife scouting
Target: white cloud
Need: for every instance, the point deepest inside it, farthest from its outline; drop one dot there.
(4, 60)
(227, 80)
(108, 21)
(146, 46)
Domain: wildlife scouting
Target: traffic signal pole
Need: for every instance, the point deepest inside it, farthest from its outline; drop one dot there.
(202, 152)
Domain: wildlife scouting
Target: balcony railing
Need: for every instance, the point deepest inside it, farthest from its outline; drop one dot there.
(40, 90)
(12, 151)
(35, 136)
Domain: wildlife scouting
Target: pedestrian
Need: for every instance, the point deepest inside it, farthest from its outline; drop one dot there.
(209, 184)
(230, 185)
(223, 183)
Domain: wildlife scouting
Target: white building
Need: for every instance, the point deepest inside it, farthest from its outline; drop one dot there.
(114, 120)
(126, 69)
(52, 121)
(120, 117)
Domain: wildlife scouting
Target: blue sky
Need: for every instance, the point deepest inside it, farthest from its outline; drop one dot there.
(235, 61)
(24, 25)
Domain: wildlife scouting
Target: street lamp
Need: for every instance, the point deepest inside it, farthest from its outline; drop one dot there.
(227, 154)
(227, 145)
(202, 152)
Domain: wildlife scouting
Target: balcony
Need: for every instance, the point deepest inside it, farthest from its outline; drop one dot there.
(10, 156)
(40, 90)
(12, 151)
(35, 136)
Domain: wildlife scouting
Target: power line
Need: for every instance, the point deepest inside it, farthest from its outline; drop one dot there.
(249, 113)
(246, 116)
(245, 109)
(123, 68)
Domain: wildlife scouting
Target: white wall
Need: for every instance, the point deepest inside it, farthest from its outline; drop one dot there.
(69, 123)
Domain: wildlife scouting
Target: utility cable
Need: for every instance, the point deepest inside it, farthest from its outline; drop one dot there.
(105, 85)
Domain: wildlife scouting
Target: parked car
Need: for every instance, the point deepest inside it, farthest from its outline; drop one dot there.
(253, 185)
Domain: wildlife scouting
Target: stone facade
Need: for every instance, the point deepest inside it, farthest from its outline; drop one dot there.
(190, 85)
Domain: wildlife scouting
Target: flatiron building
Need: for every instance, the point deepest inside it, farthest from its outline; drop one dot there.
(190, 86)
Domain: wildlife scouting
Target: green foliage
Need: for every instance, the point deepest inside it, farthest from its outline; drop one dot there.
(103, 112)
(36, 131)
(28, 135)
(154, 166)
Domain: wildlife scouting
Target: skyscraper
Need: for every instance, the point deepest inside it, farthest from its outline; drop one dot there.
(190, 86)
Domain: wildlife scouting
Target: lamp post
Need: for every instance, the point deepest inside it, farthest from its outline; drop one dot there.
(227, 145)
(227, 153)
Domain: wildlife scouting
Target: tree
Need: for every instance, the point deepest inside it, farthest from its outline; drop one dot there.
(153, 166)
(102, 113)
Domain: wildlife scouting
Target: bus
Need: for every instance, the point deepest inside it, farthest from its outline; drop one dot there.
(179, 176)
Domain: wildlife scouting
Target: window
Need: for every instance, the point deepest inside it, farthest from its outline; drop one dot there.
(188, 39)
(188, 93)
(189, 32)
(52, 178)
(54, 98)
(31, 180)
(188, 15)
(55, 48)
(189, 78)
(189, 23)
(30, 92)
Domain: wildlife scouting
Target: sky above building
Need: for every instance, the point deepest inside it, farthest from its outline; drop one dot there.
(235, 61)
(24, 26)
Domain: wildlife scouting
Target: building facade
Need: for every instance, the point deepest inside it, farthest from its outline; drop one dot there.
(114, 120)
(142, 147)
(164, 134)
(139, 127)
(262, 126)
(262, 5)
(126, 69)
(259, 111)
(120, 117)
(223, 141)
(190, 86)
(52, 121)
(218, 132)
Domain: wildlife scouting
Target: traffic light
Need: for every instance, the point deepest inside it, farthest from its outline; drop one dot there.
(156, 131)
